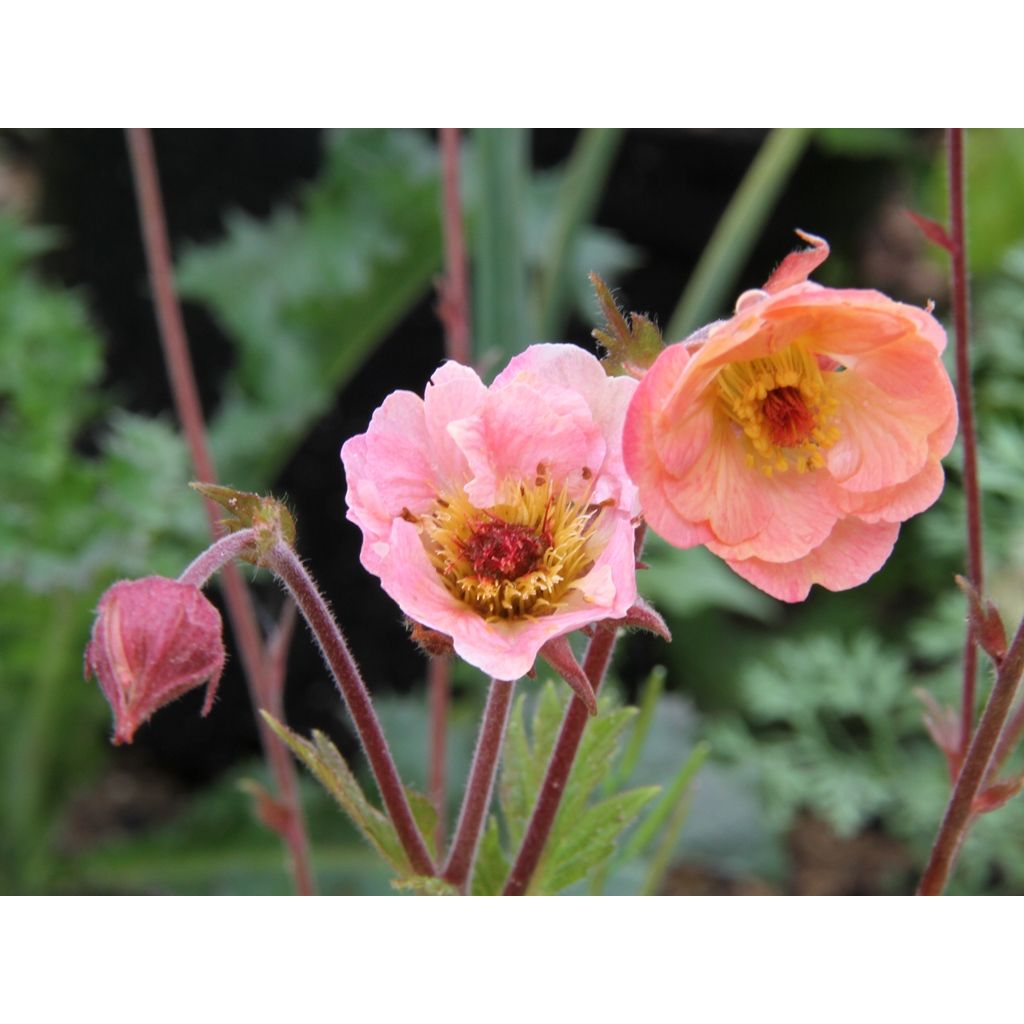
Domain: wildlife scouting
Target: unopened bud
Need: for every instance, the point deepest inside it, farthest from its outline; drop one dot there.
(153, 640)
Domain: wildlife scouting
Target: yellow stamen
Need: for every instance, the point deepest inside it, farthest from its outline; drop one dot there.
(784, 405)
(516, 560)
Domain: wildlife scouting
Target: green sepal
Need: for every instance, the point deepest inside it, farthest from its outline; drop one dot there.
(632, 343)
(322, 758)
(268, 516)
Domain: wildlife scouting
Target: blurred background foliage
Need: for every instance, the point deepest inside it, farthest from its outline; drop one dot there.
(786, 741)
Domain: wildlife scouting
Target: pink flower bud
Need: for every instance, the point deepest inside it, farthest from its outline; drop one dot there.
(154, 639)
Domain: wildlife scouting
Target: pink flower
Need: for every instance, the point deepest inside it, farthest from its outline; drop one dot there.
(793, 439)
(503, 516)
(153, 640)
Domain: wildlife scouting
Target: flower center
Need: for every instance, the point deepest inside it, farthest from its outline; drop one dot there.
(784, 405)
(518, 559)
(504, 551)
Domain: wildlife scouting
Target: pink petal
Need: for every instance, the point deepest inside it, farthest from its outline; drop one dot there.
(522, 428)
(454, 392)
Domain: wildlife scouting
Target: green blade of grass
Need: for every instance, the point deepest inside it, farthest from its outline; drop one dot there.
(734, 236)
(585, 175)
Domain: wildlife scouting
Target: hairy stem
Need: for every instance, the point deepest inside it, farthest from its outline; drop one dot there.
(439, 685)
(965, 401)
(595, 664)
(959, 812)
(459, 867)
(218, 555)
(186, 401)
(284, 562)
(454, 310)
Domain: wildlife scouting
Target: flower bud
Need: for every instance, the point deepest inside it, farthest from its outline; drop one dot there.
(154, 639)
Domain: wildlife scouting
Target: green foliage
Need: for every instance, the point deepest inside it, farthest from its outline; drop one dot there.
(68, 526)
(831, 726)
(307, 294)
(994, 157)
(327, 765)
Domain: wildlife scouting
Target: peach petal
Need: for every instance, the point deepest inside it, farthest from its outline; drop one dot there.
(853, 553)
(882, 441)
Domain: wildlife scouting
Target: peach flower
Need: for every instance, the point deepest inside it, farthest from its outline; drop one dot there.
(793, 439)
(500, 516)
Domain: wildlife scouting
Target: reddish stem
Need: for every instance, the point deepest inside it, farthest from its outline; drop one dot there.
(439, 680)
(959, 813)
(186, 401)
(595, 664)
(965, 400)
(283, 561)
(480, 785)
(219, 554)
(454, 307)
(453, 310)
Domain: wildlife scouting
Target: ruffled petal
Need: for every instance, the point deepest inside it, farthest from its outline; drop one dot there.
(852, 554)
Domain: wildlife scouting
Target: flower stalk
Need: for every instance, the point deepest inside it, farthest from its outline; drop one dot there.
(186, 400)
(282, 560)
(595, 665)
(965, 402)
(459, 866)
(960, 811)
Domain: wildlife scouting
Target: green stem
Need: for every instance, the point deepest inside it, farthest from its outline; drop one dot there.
(714, 277)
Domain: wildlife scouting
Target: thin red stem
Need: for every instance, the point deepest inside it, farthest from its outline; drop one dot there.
(965, 400)
(219, 554)
(454, 308)
(283, 561)
(439, 685)
(459, 867)
(186, 401)
(595, 665)
(959, 813)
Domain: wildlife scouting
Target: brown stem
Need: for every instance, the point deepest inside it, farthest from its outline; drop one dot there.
(965, 401)
(595, 664)
(454, 308)
(186, 401)
(481, 782)
(957, 819)
(283, 561)
(439, 684)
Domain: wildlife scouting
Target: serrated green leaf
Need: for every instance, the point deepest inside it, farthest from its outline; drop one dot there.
(424, 885)
(322, 758)
(591, 840)
(653, 688)
(307, 294)
(425, 814)
(491, 868)
(525, 757)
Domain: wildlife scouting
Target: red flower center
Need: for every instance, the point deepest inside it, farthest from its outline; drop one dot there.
(503, 551)
(787, 417)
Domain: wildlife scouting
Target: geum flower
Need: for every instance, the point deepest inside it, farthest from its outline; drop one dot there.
(501, 516)
(793, 439)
